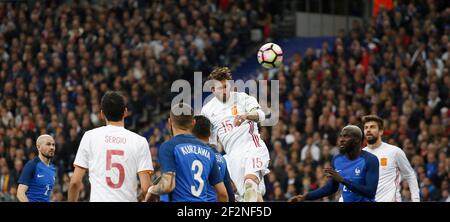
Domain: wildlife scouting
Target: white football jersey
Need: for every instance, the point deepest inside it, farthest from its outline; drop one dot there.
(393, 167)
(114, 156)
(235, 139)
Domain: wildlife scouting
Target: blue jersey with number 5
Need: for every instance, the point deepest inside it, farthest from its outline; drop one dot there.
(194, 164)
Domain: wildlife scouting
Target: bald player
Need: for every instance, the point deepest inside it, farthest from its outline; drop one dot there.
(354, 171)
(38, 176)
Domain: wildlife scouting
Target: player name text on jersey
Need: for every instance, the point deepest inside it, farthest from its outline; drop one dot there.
(113, 139)
(190, 149)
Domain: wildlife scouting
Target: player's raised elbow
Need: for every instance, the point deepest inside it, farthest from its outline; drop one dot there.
(222, 197)
(21, 193)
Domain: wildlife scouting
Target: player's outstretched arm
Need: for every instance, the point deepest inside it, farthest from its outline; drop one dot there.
(330, 188)
(75, 184)
(165, 185)
(369, 189)
(21, 193)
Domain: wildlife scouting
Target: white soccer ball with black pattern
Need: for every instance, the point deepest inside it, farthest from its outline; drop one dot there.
(270, 55)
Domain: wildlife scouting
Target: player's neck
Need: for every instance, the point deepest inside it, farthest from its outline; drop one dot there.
(116, 123)
(375, 145)
(180, 131)
(224, 100)
(204, 140)
(44, 159)
(353, 154)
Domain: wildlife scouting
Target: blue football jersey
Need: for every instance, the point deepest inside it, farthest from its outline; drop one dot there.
(360, 179)
(194, 164)
(40, 180)
(212, 196)
(357, 172)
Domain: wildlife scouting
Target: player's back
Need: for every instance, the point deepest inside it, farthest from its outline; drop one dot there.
(114, 156)
(355, 171)
(194, 161)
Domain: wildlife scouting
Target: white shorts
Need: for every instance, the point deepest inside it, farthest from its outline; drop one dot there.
(254, 161)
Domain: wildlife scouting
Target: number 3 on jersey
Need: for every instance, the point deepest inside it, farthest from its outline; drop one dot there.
(197, 166)
(118, 166)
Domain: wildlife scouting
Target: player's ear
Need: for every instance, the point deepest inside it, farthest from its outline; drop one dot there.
(102, 115)
(125, 113)
(193, 123)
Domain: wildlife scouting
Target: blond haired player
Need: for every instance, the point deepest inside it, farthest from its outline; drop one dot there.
(394, 165)
(234, 116)
(114, 156)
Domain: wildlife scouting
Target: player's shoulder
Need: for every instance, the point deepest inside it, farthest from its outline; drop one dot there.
(391, 147)
(94, 131)
(33, 162)
(240, 95)
(209, 105)
(167, 143)
(336, 158)
(369, 157)
(172, 142)
(134, 135)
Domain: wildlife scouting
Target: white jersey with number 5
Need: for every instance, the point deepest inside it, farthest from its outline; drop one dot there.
(113, 155)
(393, 167)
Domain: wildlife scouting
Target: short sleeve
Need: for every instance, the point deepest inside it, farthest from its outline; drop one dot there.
(27, 173)
(82, 157)
(251, 103)
(166, 157)
(144, 157)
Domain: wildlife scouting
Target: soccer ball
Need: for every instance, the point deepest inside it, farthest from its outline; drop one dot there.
(270, 55)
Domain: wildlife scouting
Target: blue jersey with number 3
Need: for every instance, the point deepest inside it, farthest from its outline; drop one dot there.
(194, 164)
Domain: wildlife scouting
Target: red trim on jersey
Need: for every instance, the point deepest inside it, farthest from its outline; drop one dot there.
(254, 137)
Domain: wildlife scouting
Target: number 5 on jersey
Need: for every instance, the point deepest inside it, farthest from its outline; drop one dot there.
(118, 166)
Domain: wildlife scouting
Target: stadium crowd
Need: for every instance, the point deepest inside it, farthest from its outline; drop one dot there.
(57, 60)
(396, 66)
